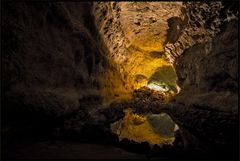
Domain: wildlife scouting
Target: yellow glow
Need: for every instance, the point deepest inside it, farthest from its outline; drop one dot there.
(144, 56)
(137, 128)
(149, 42)
(136, 73)
(140, 63)
(114, 87)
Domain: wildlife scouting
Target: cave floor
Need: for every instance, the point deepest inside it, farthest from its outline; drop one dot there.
(69, 150)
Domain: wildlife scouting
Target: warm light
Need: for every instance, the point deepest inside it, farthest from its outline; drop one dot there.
(140, 128)
(157, 87)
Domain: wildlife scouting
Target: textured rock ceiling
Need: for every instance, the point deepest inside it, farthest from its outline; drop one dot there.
(135, 34)
(145, 23)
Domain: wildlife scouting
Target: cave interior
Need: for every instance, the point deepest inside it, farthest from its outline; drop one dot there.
(119, 80)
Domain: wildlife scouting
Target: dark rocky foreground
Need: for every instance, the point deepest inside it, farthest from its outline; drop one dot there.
(54, 59)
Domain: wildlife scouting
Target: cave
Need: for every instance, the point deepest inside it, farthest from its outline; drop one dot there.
(119, 80)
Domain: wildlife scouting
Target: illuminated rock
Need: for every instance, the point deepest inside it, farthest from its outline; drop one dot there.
(135, 34)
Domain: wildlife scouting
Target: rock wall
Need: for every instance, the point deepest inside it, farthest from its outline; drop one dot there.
(52, 63)
(201, 22)
(207, 74)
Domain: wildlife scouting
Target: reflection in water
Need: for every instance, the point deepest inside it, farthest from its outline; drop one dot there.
(154, 129)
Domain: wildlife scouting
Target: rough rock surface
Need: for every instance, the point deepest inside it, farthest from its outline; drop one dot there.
(208, 103)
(134, 24)
(207, 73)
(56, 53)
(201, 22)
(52, 66)
(135, 36)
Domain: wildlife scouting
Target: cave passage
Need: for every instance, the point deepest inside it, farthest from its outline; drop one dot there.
(146, 73)
(119, 80)
(157, 76)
